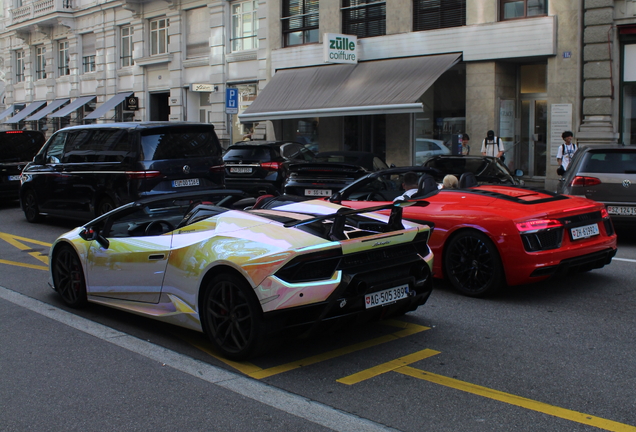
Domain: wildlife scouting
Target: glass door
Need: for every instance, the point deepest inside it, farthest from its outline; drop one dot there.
(532, 156)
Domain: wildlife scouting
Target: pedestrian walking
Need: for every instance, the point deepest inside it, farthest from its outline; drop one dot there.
(492, 145)
(566, 152)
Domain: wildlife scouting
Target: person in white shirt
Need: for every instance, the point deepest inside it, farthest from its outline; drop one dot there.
(492, 145)
(409, 184)
(566, 152)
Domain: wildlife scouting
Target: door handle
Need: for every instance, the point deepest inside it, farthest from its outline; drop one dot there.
(157, 257)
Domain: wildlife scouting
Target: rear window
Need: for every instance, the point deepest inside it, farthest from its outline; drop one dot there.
(613, 162)
(179, 143)
(19, 146)
(263, 154)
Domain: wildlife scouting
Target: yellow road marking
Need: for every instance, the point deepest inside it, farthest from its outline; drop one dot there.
(19, 264)
(18, 242)
(517, 400)
(256, 372)
(387, 367)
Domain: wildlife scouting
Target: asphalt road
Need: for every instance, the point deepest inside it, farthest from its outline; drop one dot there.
(554, 356)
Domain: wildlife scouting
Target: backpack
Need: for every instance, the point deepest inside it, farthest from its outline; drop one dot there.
(495, 142)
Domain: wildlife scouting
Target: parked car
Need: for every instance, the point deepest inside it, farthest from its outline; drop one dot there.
(261, 167)
(605, 174)
(488, 170)
(85, 171)
(425, 148)
(330, 172)
(192, 260)
(489, 236)
(17, 149)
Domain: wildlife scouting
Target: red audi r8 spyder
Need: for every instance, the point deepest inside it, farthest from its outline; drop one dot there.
(488, 236)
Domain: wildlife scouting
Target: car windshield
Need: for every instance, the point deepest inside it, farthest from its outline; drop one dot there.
(613, 162)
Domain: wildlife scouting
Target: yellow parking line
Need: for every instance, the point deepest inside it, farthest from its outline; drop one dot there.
(517, 400)
(387, 367)
(19, 264)
(256, 372)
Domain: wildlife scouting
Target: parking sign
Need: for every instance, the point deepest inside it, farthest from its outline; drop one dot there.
(231, 101)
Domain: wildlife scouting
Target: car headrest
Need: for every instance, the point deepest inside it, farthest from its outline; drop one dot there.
(467, 180)
(426, 186)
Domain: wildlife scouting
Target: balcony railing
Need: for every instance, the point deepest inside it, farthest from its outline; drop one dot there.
(39, 9)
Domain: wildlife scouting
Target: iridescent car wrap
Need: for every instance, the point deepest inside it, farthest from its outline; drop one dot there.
(295, 272)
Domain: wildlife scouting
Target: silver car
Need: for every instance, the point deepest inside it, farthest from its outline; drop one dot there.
(606, 174)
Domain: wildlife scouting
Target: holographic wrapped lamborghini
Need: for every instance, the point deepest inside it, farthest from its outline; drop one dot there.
(242, 276)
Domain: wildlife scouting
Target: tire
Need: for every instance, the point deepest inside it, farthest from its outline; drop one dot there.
(68, 277)
(472, 264)
(104, 206)
(231, 317)
(31, 209)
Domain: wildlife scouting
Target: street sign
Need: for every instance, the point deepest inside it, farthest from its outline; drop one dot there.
(231, 101)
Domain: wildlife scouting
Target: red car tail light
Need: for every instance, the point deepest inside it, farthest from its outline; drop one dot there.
(142, 175)
(585, 181)
(604, 213)
(217, 168)
(538, 224)
(271, 166)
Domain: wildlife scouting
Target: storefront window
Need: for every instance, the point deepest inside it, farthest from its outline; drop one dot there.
(246, 95)
(628, 129)
(444, 116)
(304, 131)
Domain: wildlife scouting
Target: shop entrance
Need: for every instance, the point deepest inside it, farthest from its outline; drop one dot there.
(531, 156)
(159, 107)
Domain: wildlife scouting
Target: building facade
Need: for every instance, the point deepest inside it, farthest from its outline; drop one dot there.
(424, 72)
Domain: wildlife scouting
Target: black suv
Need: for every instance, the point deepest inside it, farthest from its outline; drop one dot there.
(261, 167)
(17, 149)
(85, 171)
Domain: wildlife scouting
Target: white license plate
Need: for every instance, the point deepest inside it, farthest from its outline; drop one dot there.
(186, 182)
(241, 170)
(318, 192)
(388, 296)
(14, 178)
(620, 210)
(584, 231)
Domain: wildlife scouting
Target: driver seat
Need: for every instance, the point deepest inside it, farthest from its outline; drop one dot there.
(467, 180)
(426, 187)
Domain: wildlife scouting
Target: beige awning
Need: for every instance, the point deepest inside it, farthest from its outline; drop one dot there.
(374, 87)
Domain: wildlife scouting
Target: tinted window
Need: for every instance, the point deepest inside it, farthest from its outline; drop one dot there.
(97, 145)
(18, 146)
(55, 150)
(179, 143)
(262, 154)
(610, 162)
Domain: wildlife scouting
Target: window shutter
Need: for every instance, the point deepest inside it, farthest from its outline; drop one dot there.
(88, 44)
(438, 14)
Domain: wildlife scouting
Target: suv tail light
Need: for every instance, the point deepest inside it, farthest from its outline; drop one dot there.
(585, 181)
(271, 166)
(217, 168)
(538, 224)
(141, 175)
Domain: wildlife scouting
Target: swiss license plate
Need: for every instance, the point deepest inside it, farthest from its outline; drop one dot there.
(185, 182)
(584, 231)
(388, 296)
(241, 170)
(318, 192)
(14, 178)
(621, 210)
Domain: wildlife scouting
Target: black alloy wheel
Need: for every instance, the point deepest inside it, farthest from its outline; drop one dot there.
(472, 264)
(68, 277)
(232, 317)
(31, 209)
(105, 205)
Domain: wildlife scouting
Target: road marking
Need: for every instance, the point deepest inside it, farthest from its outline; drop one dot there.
(18, 242)
(387, 367)
(282, 400)
(522, 402)
(256, 372)
(624, 259)
(19, 264)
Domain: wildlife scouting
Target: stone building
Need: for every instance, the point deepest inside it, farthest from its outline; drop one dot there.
(424, 72)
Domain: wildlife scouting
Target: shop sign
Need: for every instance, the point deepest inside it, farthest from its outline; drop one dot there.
(202, 87)
(340, 48)
(131, 103)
